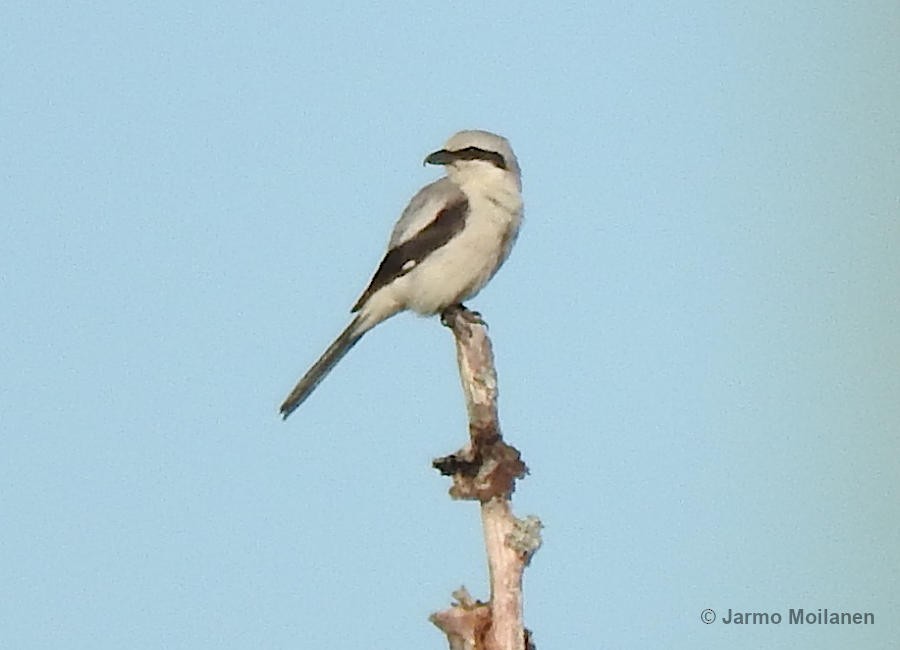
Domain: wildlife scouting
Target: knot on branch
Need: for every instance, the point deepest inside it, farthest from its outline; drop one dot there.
(482, 471)
(465, 623)
(525, 537)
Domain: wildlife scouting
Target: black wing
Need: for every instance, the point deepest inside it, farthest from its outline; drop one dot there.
(402, 259)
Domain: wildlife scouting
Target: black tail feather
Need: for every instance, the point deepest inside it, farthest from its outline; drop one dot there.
(320, 369)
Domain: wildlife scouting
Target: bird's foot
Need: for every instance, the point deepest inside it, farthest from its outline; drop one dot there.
(471, 317)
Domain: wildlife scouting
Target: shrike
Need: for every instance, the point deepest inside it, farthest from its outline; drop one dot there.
(450, 240)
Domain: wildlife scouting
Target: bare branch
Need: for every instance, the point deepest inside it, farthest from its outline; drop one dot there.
(486, 470)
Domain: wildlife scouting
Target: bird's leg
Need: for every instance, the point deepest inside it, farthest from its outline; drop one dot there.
(448, 314)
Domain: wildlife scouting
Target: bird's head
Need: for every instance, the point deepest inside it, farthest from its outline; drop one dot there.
(478, 156)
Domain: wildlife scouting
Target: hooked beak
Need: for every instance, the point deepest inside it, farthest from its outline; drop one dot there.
(442, 157)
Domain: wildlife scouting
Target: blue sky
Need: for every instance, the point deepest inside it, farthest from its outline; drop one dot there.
(697, 335)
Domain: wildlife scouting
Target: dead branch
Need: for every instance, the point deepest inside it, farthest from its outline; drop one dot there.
(486, 470)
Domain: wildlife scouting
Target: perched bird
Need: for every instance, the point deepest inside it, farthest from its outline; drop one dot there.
(450, 240)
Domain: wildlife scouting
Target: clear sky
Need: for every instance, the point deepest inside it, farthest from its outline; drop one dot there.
(697, 335)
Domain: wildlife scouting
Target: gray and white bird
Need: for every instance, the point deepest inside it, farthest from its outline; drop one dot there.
(450, 240)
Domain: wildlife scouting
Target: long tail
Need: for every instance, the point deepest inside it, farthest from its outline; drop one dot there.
(335, 352)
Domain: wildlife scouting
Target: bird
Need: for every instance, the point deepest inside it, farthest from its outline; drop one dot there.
(451, 239)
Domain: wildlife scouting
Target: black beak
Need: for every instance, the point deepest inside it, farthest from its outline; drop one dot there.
(442, 157)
